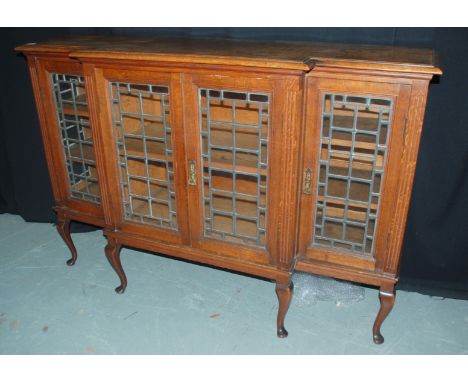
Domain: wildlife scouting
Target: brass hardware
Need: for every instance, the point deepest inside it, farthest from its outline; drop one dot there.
(308, 181)
(192, 179)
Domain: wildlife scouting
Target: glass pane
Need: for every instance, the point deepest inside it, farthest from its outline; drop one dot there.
(234, 146)
(73, 119)
(354, 136)
(144, 142)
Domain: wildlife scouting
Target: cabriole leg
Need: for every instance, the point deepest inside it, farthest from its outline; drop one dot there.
(113, 255)
(63, 228)
(284, 293)
(387, 299)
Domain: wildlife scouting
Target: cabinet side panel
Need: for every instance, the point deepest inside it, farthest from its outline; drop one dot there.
(48, 149)
(412, 135)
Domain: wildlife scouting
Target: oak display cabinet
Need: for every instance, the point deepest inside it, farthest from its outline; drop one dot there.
(263, 158)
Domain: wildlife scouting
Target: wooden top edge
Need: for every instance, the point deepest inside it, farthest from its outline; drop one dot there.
(280, 54)
(32, 47)
(358, 64)
(192, 58)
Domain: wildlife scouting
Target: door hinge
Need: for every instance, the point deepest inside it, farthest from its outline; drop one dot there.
(307, 188)
(192, 179)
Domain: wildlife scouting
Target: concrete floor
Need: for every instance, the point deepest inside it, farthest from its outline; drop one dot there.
(175, 307)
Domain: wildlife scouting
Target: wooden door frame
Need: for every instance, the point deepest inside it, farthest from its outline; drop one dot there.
(100, 77)
(397, 89)
(285, 109)
(44, 66)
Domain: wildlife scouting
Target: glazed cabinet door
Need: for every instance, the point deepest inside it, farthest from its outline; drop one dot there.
(354, 131)
(142, 136)
(68, 135)
(233, 172)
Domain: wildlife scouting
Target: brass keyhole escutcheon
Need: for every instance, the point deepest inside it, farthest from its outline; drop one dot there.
(192, 180)
(307, 181)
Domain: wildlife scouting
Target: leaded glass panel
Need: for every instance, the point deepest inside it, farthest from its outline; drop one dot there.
(77, 141)
(353, 146)
(234, 141)
(141, 117)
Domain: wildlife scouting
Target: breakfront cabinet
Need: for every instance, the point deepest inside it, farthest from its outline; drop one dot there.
(263, 158)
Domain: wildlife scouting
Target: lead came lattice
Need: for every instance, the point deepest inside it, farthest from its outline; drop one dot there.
(144, 142)
(234, 141)
(73, 118)
(353, 146)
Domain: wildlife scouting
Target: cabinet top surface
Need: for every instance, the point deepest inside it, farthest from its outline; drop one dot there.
(284, 55)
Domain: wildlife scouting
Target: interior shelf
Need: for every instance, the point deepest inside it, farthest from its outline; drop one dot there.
(339, 202)
(220, 159)
(85, 185)
(88, 153)
(245, 163)
(369, 146)
(366, 121)
(80, 103)
(244, 223)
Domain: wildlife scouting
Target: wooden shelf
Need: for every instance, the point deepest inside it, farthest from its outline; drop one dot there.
(93, 187)
(356, 212)
(338, 212)
(360, 163)
(245, 225)
(359, 192)
(245, 162)
(88, 154)
(244, 186)
(364, 146)
(159, 210)
(81, 110)
(341, 144)
(134, 148)
(366, 121)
